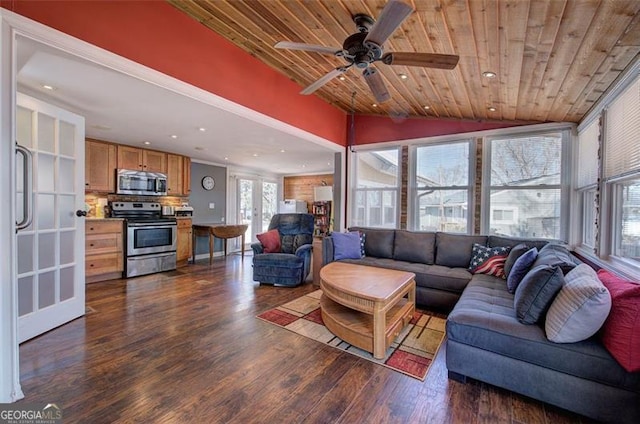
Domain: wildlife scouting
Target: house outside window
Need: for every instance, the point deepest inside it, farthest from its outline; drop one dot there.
(441, 187)
(376, 188)
(526, 175)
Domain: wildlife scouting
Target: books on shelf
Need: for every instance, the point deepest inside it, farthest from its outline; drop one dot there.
(321, 217)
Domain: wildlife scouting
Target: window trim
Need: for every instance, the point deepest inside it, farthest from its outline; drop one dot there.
(565, 177)
(353, 181)
(413, 189)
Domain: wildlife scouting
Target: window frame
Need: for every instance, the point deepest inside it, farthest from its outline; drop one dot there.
(564, 185)
(352, 206)
(413, 190)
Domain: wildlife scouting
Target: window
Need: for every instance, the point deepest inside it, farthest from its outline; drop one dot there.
(524, 187)
(505, 216)
(622, 172)
(627, 233)
(442, 187)
(376, 188)
(587, 182)
(589, 217)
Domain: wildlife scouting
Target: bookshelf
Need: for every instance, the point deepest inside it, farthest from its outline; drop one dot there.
(321, 218)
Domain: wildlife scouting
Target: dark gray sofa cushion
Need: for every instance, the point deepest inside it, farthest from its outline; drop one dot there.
(415, 247)
(454, 250)
(536, 292)
(433, 276)
(555, 254)
(377, 242)
(515, 252)
(497, 241)
(485, 318)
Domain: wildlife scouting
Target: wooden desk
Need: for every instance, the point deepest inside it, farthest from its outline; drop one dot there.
(221, 231)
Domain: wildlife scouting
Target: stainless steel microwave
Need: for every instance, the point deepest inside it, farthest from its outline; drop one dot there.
(141, 183)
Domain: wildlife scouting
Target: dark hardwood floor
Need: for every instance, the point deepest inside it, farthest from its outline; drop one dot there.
(185, 346)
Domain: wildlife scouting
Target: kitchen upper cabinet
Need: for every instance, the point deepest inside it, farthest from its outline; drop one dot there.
(141, 159)
(99, 166)
(175, 171)
(153, 161)
(178, 175)
(186, 175)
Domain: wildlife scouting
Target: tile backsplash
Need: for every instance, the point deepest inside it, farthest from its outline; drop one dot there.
(91, 199)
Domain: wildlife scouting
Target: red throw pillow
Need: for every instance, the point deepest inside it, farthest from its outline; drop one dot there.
(621, 331)
(270, 241)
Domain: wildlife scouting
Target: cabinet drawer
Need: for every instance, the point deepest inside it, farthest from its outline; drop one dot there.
(184, 223)
(103, 227)
(103, 243)
(103, 264)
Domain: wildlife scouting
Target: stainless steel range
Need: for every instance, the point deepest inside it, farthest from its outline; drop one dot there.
(150, 238)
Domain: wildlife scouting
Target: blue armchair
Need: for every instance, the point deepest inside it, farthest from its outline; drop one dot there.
(291, 266)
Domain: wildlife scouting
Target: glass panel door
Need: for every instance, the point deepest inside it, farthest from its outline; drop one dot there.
(246, 208)
(50, 271)
(257, 203)
(269, 203)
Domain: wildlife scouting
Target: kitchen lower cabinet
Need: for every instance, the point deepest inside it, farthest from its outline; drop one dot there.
(183, 250)
(104, 254)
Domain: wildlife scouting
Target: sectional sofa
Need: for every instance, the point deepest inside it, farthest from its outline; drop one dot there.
(485, 340)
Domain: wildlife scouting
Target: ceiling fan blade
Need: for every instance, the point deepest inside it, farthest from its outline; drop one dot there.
(393, 14)
(426, 60)
(322, 81)
(307, 47)
(376, 84)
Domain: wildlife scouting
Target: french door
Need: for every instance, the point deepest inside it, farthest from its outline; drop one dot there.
(50, 235)
(257, 203)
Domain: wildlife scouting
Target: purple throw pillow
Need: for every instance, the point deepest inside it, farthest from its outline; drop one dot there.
(520, 269)
(346, 245)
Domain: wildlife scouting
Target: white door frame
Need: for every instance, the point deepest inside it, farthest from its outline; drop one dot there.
(10, 389)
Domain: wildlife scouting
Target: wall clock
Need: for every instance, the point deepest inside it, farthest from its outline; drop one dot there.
(208, 183)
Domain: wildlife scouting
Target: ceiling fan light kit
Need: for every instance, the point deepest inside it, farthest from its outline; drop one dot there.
(365, 47)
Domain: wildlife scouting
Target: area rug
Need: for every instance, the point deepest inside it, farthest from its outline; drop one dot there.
(411, 353)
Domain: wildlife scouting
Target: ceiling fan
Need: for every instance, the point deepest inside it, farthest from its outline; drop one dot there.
(364, 48)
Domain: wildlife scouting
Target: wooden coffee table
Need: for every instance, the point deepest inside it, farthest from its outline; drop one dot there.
(366, 306)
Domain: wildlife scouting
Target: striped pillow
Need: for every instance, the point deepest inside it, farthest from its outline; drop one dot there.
(580, 308)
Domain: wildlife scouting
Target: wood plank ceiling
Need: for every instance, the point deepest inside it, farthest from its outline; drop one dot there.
(553, 58)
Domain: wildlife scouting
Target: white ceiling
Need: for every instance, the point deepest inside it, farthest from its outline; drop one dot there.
(126, 110)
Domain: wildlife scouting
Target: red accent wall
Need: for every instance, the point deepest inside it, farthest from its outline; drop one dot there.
(157, 35)
(375, 129)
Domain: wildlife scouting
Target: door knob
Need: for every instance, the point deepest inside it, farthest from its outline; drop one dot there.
(81, 213)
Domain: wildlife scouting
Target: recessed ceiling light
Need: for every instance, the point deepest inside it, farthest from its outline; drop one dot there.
(375, 105)
(329, 163)
(226, 158)
(174, 136)
(403, 76)
(281, 150)
(147, 142)
(48, 87)
(342, 78)
(491, 109)
(304, 166)
(255, 155)
(489, 74)
(202, 129)
(426, 107)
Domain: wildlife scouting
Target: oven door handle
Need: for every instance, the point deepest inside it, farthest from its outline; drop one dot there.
(154, 226)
